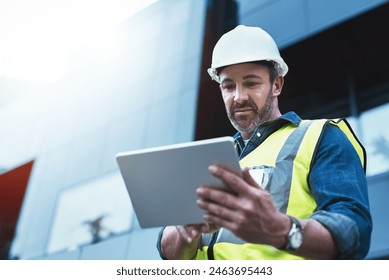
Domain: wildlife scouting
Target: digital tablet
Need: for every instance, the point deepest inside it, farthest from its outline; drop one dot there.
(162, 181)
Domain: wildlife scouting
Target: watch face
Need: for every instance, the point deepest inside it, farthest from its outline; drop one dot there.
(296, 239)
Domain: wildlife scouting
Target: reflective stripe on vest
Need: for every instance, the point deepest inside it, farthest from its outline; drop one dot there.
(289, 151)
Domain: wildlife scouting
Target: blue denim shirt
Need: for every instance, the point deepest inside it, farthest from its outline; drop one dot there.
(338, 184)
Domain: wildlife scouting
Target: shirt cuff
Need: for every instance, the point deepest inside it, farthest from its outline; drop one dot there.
(344, 231)
(159, 244)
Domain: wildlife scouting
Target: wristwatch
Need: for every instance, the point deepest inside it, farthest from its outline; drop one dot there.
(295, 235)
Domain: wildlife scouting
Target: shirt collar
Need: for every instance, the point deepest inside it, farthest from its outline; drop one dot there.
(292, 117)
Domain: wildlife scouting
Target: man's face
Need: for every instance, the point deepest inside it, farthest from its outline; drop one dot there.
(248, 95)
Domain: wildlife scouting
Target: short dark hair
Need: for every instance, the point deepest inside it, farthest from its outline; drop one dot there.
(271, 66)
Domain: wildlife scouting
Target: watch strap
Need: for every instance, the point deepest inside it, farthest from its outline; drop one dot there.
(294, 227)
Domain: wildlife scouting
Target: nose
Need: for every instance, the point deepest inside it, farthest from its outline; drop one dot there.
(240, 94)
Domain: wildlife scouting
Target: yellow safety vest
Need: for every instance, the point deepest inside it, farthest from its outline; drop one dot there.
(289, 151)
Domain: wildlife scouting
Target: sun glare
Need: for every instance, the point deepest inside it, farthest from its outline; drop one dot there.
(37, 37)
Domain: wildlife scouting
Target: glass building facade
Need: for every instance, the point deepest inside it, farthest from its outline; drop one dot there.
(151, 89)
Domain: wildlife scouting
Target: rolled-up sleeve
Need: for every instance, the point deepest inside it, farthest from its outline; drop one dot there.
(338, 225)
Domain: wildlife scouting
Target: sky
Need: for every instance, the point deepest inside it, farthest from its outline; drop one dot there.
(37, 36)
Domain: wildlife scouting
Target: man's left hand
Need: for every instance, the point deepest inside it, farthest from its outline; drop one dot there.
(247, 209)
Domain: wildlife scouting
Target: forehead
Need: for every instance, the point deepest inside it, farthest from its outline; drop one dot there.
(240, 71)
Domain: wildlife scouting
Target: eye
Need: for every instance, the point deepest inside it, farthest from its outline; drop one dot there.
(251, 84)
(228, 87)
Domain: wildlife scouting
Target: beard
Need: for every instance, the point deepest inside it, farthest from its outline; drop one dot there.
(248, 124)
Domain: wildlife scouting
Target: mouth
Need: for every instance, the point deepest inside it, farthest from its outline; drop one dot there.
(245, 110)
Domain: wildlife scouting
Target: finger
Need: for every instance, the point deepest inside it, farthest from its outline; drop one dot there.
(218, 196)
(231, 179)
(184, 234)
(221, 222)
(216, 210)
(208, 228)
(188, 233)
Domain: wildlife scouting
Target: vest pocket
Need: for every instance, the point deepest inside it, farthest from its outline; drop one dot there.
(262, 174)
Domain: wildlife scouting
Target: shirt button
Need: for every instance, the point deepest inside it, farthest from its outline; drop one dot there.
(258, 134)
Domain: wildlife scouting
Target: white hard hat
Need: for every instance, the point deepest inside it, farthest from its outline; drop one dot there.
(245, 44)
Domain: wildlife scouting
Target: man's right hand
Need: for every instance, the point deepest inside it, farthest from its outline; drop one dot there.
(180, 242)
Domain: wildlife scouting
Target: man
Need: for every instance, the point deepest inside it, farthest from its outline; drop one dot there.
(309, 197)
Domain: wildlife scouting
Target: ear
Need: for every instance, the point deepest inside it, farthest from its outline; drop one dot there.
(277, 85)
